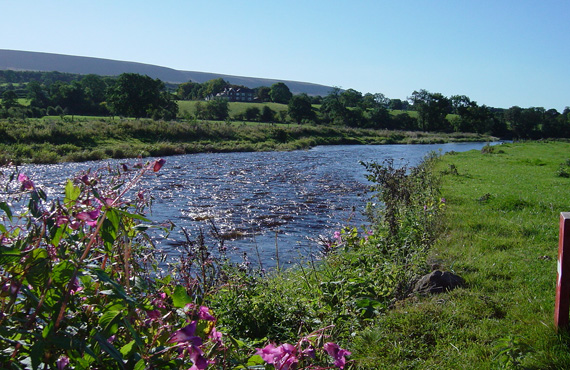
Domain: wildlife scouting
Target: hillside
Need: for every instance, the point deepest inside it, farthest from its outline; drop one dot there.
(35, 61)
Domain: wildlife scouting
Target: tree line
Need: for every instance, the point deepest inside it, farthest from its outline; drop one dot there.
(134, 95)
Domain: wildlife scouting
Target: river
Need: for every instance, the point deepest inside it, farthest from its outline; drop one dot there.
(264, 203)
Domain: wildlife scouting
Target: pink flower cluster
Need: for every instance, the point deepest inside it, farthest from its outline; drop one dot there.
(190, 343)
(287, 356)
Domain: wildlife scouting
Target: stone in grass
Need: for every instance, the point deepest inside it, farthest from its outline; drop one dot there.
(438, 282)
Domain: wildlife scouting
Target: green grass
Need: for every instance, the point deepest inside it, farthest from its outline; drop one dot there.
(188, 106)
(502, 221)
(78, 138)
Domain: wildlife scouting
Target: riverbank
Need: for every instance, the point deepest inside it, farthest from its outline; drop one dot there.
(492, 218)
(502, 213)
(65, 139)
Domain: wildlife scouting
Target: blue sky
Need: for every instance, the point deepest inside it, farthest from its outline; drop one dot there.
(499, 53)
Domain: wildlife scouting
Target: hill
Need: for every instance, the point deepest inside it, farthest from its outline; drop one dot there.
(36, 61)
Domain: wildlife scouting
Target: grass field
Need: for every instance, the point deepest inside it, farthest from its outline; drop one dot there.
(503, 211)
(188, 106)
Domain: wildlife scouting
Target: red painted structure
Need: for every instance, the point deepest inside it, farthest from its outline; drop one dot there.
(562, 303)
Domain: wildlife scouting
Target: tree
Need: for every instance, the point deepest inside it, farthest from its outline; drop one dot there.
(189, 91)
(37, 95)
(94, 89)
(9, 99)
(351, 98)
(432, 109)
(280, 93)
(217, 109)
(300, 108)
(135, 95)
(333, 110)
(213, 87)
(267, 114)
(263, 94)
(252, 113)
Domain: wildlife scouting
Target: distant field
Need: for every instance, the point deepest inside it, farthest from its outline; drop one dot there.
(235, 108)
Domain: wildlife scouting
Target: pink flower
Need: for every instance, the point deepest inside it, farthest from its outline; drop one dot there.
(62, 362)
(27, 184)
(90, 217)
(337, 353)
(153, 314)
(186, 334)
(216, 336)
(158, 164)
(282, 357)
(197, 357)
(204, 314)
(337, 235)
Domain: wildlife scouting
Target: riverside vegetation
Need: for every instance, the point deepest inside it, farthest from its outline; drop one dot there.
(83, 286)
(56, 139)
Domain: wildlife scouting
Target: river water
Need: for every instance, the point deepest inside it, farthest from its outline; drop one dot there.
(266, 204)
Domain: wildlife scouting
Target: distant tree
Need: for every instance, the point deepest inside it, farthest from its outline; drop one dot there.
(316, 99)
(189, 91)
(263, 94)
(380, 118)
(432, 109)
(351, 98)
(38, 95)
(135, 95)
(280, 93)
(252, 113)
(9, 99)
(300, 108)
(213, 87)
(199, 110)
(267, 114)
(524, 122)
(396, 104)
(333, 110)
(217, 109)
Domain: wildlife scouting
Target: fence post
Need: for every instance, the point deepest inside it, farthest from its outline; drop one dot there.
(562, 303)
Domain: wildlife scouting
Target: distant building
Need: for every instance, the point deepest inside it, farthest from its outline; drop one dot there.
(242, 94)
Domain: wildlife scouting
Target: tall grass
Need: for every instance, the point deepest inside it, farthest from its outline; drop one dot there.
(70, 139)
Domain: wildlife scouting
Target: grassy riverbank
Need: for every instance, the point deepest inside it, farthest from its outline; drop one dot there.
(501, 235)
(82, 139)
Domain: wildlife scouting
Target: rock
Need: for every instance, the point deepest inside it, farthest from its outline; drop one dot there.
(438, 282)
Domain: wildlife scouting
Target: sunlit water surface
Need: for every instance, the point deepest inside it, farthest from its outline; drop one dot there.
(264, 203)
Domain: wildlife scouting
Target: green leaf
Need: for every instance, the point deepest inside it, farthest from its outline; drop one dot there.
(9, 256)
(132, 215)
(127, 348)
(117, 288)
(63, 272)
(37, 274)
(4, 206)
(180, 297)
(107, 319)
(110, 349)
(255, 360)
(57, 236)
(37, 353)
(140, 365)
(71, 192)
